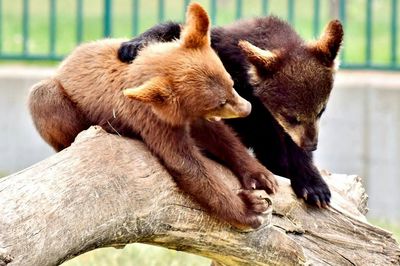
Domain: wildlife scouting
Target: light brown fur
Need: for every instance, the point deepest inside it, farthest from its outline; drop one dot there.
(164, 97)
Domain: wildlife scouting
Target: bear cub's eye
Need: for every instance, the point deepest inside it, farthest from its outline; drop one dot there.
(293, 120)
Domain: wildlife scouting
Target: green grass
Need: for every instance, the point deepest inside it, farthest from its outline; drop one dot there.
(66, 26)
(137, 254)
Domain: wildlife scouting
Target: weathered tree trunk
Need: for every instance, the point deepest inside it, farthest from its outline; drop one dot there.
(106, 190)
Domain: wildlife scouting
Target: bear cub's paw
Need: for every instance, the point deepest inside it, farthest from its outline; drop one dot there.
(129, 50)
(256, 207)
(314, 191)
(259, 178)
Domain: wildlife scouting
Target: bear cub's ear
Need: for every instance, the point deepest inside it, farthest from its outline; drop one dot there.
(264, 61)
(196, 32)
(155, 90)
(327, 46)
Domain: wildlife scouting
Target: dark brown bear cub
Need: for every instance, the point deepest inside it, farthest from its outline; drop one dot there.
(171, 90)
(287, 81)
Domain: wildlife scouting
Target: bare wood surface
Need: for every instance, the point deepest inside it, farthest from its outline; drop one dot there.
(106, 190)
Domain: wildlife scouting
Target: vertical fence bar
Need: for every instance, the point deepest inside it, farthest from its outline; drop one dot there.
(317, 19)
(213, 12)
(342, 17)
(79, 21)
(161, 10)
(25, 26)
(1, 25)
(291, 12)
(107, 18)
(52, 27)
(135, 17)
(368, 33)
(264, 7)
(342, 11)
(393, 35)
(239, 7)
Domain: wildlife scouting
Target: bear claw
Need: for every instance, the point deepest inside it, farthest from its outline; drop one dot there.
(315, 192)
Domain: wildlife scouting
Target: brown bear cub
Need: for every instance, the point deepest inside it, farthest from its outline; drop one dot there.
(172, 97)
(287, 81)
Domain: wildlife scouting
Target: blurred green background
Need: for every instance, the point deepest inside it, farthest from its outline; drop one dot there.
(372, 25)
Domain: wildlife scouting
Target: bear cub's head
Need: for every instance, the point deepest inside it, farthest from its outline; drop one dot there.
(185, 78)
(294, 84)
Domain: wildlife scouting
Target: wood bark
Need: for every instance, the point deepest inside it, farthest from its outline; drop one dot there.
(106, 190)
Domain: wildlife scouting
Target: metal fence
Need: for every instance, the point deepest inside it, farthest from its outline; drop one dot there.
(49, 29)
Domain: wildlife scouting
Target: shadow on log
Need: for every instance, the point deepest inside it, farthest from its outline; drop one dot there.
(106, 190)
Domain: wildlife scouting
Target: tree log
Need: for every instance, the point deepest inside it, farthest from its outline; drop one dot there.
(107, 190)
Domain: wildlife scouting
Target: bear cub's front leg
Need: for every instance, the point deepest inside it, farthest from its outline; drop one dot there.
(220, 141)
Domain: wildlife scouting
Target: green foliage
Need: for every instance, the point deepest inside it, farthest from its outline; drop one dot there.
(137, 254)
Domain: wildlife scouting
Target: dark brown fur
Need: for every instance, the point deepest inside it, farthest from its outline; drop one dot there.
(170, 90)
(284, 76)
